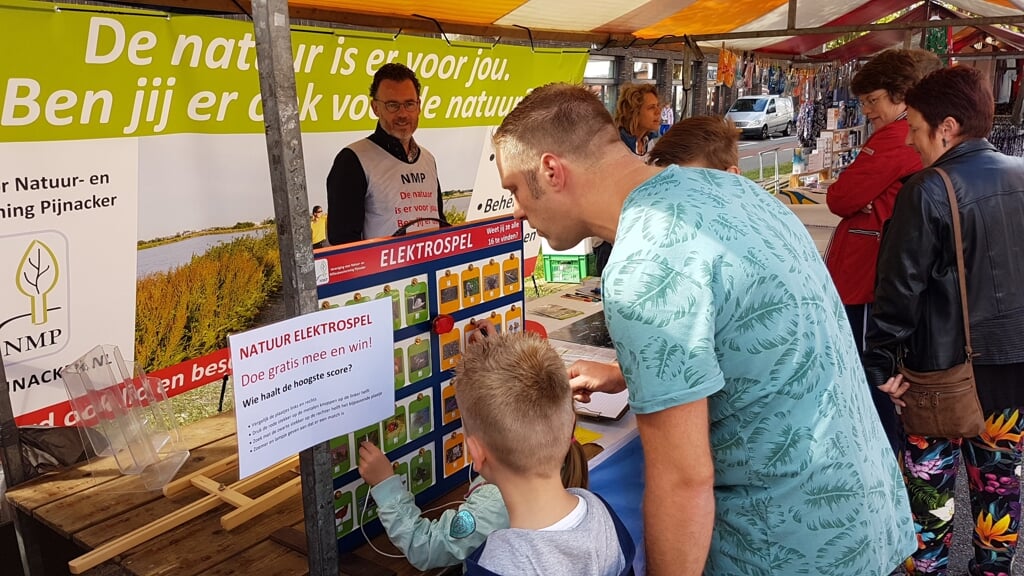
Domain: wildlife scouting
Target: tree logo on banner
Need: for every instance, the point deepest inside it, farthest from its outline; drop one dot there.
(33, 316)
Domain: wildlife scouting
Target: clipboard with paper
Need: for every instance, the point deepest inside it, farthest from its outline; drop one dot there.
(601, 406)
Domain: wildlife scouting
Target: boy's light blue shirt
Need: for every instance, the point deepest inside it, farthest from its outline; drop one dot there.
(430, 543)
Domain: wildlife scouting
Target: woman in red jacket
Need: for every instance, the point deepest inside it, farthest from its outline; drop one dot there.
(865, 192)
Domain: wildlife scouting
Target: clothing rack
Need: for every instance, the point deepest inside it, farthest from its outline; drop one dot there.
(1007, 136)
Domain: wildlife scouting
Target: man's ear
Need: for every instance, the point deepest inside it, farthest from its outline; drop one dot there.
(733, 170)
(552, 170)
(478, 452)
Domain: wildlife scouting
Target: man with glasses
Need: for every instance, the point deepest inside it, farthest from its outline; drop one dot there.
(386, 180)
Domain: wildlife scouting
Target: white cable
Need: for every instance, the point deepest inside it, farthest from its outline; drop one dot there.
(366, 501)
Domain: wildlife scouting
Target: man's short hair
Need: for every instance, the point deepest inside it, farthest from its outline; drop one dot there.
(705, 141)
(396, 73)
(562, 119)
(631, 102)
(514, 396)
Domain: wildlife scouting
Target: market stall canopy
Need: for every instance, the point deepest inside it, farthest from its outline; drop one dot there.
(783, 27)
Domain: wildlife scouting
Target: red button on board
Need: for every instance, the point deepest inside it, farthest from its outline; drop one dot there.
(442, 324)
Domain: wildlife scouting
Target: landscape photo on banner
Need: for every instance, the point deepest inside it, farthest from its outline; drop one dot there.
(133, 163)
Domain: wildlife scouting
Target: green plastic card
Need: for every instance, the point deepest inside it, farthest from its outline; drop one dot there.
(419, 360)
(402, 471)
(421, 471)
(371, 434)
(341, 455)
(419, 417)
(343, 513)
(395, 430)
(416, 309)
(357, 298)
(399, 368)
(366, 508)
(396, 305)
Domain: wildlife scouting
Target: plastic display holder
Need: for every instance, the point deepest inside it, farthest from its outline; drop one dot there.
(126, 416)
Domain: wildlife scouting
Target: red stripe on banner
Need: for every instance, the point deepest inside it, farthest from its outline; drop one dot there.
(174, 380)
(349, 264)
(193, 373)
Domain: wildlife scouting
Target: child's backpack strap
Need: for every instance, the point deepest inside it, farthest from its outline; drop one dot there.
(473, 567)
(625, 540)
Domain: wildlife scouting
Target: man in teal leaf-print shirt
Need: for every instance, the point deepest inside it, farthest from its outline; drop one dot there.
(762, 449)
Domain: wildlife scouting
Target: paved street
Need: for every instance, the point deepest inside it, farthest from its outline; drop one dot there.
(749, 149)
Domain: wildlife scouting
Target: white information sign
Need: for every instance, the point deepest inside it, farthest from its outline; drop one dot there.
(309, 379)
(68, 218)
(490, 199)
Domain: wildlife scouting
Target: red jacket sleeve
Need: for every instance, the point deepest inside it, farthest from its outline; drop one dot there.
(879, 164)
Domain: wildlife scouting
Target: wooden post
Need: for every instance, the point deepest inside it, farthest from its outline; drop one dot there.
(291, 210)
(791, 20)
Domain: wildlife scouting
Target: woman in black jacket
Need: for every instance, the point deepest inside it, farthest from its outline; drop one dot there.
(918, 318)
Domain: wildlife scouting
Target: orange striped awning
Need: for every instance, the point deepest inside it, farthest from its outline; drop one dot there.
(652, 19)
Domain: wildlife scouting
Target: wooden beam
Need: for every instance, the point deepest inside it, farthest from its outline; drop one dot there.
(791, 20)
(254, 508)
(219, 467)
(220, 490)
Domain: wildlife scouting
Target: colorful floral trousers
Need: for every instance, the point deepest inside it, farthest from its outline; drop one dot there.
(993, 468)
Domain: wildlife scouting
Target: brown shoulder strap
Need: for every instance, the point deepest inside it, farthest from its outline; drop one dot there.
(958, 239)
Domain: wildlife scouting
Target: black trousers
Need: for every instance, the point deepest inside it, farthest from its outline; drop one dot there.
(860, 319)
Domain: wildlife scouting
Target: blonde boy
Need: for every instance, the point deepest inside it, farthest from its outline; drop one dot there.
(513, 392)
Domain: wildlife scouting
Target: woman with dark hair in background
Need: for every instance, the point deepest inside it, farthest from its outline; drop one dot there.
(865, 192)
(918, 318)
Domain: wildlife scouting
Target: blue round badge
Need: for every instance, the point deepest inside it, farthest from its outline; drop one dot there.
(463, 524)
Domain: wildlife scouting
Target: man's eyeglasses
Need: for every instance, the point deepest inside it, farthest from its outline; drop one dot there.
(392, 106)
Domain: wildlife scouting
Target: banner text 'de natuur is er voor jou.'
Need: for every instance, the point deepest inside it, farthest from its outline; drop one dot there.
(110, 75)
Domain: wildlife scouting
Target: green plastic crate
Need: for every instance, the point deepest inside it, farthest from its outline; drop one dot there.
(568, 269)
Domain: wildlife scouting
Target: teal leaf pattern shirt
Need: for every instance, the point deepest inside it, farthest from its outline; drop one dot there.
(715, 290)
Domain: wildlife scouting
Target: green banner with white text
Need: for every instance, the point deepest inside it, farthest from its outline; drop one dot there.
(135, 198)
(102, 75)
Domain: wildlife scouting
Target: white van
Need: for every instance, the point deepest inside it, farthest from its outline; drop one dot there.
(763, 115)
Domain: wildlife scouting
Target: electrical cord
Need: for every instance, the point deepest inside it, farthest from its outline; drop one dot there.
(366, 501)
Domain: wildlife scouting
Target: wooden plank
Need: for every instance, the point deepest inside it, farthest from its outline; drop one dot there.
(264, 559)
(202, 543)
(93, 505)
(246, 512)
(137, 518)
(146, 533)
(348, 564)
(184, 482)
(220, 490)
(53, 487)
(123, 524)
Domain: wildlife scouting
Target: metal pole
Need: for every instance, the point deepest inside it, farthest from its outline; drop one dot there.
(291, 211)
